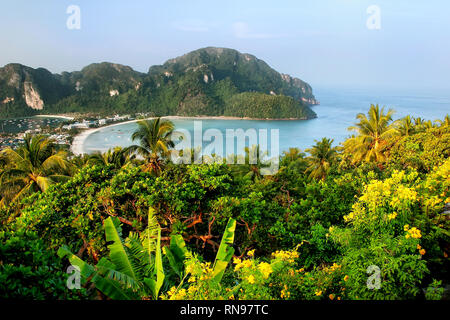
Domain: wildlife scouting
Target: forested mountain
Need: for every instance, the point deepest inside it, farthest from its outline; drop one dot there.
(208, 81)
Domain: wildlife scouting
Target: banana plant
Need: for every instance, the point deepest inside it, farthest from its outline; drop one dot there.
(134, 269)
(176, 253)
(226, 251)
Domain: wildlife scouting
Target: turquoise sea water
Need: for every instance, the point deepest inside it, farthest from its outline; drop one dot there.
(336, 112)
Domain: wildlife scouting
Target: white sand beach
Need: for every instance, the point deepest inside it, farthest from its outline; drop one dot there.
(78, 141)
(53, 116)
(77, 146)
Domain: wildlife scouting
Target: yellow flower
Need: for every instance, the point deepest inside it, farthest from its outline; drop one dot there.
(331, 296)
(192, 289)
(236, 260)
(346, 278)
(266, 269)
(251, 279)
(392, 215)
(191, 279)
(288, 256)
(319, 293)
(285, 293)
(419, 247)
(180, 295)
(172, 291)
(414, 233)
(406, 227)
(190, 268)
(251, 253)
(247, 263)
(422, 252)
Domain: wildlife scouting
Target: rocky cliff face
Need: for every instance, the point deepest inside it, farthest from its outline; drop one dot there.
(32, 97)
(33, 88)
(306, 94)
(198, 79)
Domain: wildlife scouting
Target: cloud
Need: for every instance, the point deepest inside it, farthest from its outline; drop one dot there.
(241, 30)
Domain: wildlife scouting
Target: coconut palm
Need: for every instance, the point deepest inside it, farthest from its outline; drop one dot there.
(323, 155)
(155, 142)
(429, 124)
(373, 132)
(80, 161)
(253, 166)
(405, 126)
(34, 166)
(119, 157)
(419, 124)
(445, 122)
(293, 154)
(294, 159)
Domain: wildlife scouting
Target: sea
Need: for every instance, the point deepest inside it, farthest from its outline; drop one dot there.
(335, 114)
(17, 125)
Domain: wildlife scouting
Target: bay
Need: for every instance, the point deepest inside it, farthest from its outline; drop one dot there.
(337, 111)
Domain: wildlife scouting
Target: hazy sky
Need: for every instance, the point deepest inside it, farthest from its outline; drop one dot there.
(321, 41)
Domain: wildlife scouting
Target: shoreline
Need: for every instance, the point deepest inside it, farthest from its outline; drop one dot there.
(78, 141)
(53, 116)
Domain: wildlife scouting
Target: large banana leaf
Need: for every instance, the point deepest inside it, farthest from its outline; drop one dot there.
(176, 254)
(107, 269)
(117, 250)
(149, 236)
(155, 286)
(226, 251)
(108, 287)
(86, 270)
(112, 289)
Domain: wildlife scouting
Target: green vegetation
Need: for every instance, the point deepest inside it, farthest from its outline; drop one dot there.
(319, 229)
(204, 82)
(34, 166)
(155, 141)
(264, 106)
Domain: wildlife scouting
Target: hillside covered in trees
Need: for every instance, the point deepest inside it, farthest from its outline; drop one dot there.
(205, 82)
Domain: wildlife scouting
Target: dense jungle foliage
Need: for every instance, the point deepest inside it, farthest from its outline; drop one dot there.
(368, 219)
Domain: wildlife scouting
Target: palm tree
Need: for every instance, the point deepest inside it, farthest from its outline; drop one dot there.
(372, 134)
(154, 141)
(445, 122)
(253, 170)
(34, 166)
(405, 126)
(323, 155)
(80, 161)
(293, 154)
(294, 159)
(419, 124)
(119, 157)
(429, 124)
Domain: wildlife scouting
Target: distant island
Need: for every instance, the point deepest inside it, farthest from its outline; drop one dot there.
(206, 82)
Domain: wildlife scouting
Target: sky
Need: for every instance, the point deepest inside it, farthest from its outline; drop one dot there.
(324, 42)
